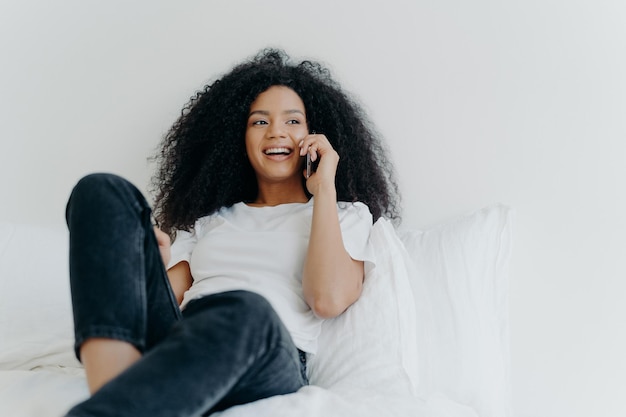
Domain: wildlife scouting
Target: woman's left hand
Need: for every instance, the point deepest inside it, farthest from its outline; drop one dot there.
(318, 146)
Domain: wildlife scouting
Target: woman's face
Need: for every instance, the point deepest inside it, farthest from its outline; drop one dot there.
(276, 125)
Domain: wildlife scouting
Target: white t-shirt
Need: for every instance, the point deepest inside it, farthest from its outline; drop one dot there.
(262, 249)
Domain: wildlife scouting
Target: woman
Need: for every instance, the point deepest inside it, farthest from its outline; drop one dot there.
(263, 250)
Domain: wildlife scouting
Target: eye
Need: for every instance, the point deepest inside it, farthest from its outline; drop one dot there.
(293, 122)
(259, 122)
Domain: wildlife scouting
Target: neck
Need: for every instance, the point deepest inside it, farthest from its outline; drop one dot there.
(275, 194)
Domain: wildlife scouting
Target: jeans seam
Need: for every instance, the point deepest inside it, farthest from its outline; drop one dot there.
(142, 271)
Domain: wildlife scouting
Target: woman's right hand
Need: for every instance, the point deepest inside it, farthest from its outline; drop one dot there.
(318, 147)
(179, 275)
(164, 242)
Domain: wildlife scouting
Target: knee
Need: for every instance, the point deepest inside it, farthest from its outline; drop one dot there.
(251, 302)
(253, 310)
(248, 312)
(96, 183)
(100, 191)
(255, 318)
(241, 305)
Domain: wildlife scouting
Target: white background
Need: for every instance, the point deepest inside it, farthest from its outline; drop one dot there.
(519, 102)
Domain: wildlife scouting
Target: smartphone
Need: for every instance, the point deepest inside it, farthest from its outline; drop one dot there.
(308, 165)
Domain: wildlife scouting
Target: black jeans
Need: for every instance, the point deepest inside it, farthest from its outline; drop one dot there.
(224, 349)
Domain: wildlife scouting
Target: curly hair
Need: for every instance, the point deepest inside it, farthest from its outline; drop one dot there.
(202, 163)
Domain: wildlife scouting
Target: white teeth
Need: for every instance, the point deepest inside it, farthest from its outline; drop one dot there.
(272, 151)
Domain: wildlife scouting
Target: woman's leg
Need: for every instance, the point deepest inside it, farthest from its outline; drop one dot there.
(230, 348)
(120, 292)
(104, 359)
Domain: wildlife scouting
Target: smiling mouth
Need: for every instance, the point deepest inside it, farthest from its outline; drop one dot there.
(278, 151)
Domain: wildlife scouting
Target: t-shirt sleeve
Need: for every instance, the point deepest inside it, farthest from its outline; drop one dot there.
(355, 221)
(182, 247)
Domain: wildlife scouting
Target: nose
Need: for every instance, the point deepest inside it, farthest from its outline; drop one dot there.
(276, 130)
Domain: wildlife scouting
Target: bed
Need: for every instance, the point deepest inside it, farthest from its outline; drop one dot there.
(428, 337)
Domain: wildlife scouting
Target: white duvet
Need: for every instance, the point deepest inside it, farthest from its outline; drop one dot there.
(428, 337)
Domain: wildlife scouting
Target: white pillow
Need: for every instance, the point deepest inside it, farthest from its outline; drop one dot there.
(460, 283)
(35, 308)
(372, 345)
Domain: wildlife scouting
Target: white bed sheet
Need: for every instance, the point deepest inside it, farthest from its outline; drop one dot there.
(50, 392)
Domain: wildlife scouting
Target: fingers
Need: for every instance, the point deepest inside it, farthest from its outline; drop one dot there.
(320, 150)
(314, 144)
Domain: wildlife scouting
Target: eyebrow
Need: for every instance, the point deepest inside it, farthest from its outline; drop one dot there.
(266, 113)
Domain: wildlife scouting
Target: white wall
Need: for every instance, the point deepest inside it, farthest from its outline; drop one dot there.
(485, 101)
